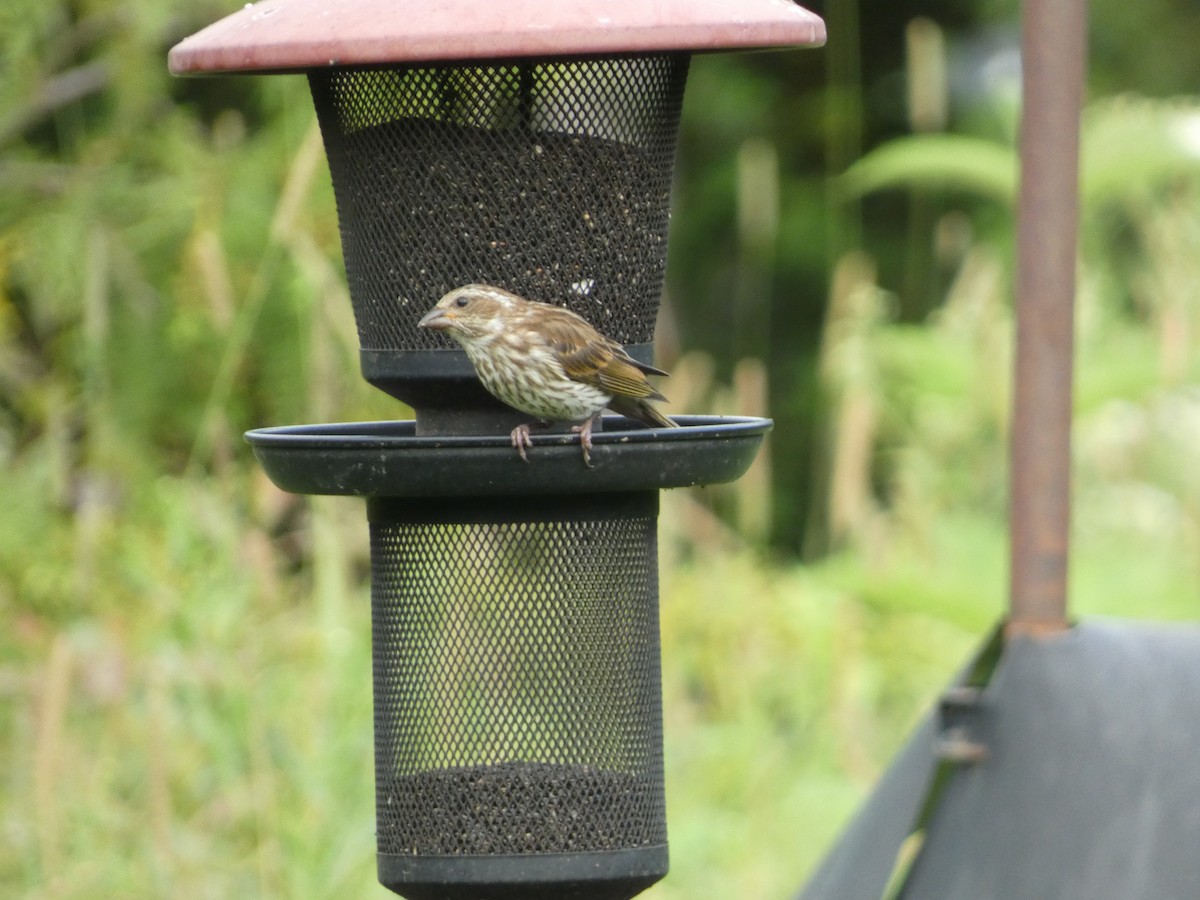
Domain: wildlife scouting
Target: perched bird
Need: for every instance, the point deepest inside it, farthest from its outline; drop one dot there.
(545, 361)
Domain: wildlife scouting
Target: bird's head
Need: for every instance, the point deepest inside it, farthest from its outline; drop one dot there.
(470, 312)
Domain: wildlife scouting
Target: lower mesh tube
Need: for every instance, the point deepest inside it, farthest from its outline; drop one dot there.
(518, 689)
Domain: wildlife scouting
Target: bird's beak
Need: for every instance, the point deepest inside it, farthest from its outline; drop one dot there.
(436, 319)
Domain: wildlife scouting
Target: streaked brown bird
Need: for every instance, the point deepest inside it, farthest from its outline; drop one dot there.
(545, 361)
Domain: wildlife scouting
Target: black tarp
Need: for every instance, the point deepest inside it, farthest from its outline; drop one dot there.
(1091, 786)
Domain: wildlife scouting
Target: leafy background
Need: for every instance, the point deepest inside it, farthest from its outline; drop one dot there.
(184, 657)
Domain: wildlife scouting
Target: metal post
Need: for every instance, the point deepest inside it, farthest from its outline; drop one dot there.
(1054, 46)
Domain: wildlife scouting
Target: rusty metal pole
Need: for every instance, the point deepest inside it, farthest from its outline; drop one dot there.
(1054, 50)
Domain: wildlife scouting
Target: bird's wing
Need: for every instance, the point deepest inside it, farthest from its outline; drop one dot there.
(645, 367)
(625, 376)
(589, 357)
(623, 379)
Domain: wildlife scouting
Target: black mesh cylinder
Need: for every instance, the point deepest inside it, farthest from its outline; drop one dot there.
(518, 719)
(550, 178)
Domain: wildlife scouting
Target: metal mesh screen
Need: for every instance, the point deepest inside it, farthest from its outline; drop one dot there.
(549, 178)
(517, 682)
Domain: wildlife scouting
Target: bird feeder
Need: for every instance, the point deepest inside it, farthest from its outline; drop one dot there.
(518, 722)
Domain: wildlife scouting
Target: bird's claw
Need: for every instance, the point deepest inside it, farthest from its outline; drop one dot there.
(585, 440)
(521, 440)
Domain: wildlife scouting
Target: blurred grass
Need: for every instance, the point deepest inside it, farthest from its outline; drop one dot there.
(184, 667)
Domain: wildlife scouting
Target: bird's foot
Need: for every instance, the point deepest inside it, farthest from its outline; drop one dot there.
(521, 440)
(585, 439)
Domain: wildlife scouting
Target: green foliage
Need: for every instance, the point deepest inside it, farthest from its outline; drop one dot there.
(1131, 148)
(184, 667)
(937, 161)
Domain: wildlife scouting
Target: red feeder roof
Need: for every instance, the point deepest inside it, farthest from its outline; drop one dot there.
(289, 35)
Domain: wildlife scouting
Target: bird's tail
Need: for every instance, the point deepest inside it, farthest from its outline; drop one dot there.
(643, 411)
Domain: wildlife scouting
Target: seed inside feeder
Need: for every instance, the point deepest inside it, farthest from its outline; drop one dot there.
(576, 191)
(518, 807)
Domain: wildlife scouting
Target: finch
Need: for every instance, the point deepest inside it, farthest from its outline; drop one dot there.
(545, 361)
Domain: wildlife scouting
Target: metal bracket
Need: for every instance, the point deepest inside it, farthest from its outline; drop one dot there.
(958, 740)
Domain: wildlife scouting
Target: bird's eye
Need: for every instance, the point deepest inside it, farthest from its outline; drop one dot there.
(461, 302)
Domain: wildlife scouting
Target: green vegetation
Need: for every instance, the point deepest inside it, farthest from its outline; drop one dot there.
(184, 657)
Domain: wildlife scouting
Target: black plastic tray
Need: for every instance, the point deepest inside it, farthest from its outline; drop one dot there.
(388, 459)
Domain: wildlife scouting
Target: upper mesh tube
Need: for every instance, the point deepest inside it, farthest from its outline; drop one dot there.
(550, 179)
